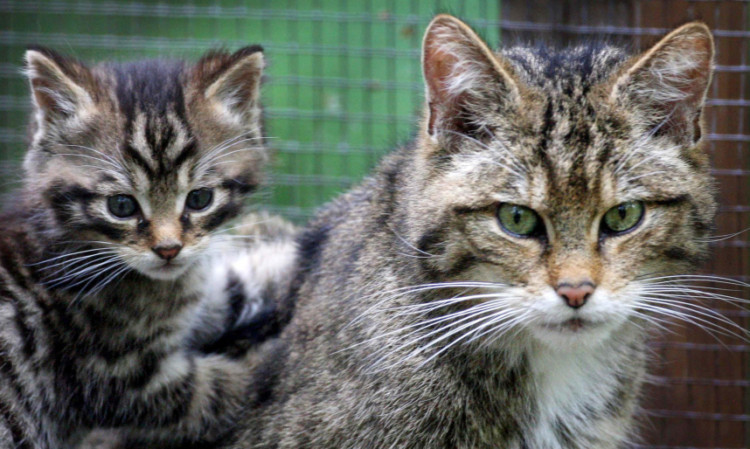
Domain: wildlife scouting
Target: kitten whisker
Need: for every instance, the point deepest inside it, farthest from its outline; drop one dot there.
(226, 144)
(114, 162)
(88, 156)
(83, 270)
(106, 281)
(239, 226)
(91, 278)
(66, 255)
(217, 153)
(74, 263)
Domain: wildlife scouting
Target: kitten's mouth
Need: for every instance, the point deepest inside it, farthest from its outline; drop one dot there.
(167, 271)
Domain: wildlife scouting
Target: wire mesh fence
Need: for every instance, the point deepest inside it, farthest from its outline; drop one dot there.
(344, 87)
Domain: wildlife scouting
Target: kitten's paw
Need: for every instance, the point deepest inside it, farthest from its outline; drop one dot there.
(244, 285)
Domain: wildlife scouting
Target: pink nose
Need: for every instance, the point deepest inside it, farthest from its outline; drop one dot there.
(167, 252)
(575, 296)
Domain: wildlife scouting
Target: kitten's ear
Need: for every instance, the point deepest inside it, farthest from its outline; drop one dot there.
(58, 85)
(459, 69)
(668, 83)
(234, 83)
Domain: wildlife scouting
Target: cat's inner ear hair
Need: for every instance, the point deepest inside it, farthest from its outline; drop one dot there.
(58, 85)
(235, 85)
(459, 69)
(668, 83)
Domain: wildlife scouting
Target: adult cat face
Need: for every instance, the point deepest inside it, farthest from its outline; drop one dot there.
(143, 160)
(575, 179)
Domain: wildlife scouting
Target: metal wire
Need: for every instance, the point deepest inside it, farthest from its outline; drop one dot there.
(344, 87)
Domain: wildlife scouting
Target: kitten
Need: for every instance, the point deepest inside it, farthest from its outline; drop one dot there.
(488, 286)
(131, 170)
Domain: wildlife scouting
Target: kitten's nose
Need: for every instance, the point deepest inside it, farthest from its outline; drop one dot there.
(575, 296)
(167, 252)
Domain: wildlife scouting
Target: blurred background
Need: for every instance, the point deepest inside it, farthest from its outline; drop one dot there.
(344, 87)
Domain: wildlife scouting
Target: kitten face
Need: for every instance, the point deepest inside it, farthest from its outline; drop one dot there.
(145, 159)
(572, 179)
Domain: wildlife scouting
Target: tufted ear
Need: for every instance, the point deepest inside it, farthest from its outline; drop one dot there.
(668, 83)
(460, 70)
(232, 83)
(60, 87)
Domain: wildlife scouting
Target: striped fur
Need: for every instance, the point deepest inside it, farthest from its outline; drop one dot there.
(421, 323)
(97, 311)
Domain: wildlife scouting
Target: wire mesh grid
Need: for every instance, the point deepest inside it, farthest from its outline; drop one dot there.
(343, 87)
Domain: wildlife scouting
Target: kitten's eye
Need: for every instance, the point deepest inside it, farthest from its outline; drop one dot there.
(623, 217)
(122, 206)
(199, 199)
(518, 220)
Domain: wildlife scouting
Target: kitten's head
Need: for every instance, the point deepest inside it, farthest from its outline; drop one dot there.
(145, 158)
(573, 177)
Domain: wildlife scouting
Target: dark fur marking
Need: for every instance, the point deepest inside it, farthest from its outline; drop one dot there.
(207, 69)
(27, 333)
(237, 299)
(150, 86)
(18, 432)
(431, 241)
(222, 214)
(242, 184)
(133, 154)
(189, 151)
(541, 150)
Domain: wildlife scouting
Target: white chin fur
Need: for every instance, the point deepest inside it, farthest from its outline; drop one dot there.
(560, 327)
(166, 273)
(161, 271)
(564, 337)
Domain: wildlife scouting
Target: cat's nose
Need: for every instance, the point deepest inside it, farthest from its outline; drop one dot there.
(575, 296)
(167, 252)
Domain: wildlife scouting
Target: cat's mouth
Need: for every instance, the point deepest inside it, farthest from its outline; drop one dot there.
(573, 325)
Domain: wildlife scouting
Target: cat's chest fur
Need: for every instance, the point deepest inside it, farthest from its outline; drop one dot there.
(572, 393)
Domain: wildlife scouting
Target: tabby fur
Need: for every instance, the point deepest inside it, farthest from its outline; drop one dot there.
(100, 315)
(420, 323)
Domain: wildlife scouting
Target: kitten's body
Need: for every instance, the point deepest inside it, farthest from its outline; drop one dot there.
(131, 169)
(421, 321)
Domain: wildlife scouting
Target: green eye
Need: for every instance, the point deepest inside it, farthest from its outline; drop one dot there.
(199, 199)
(122, 206)
(518, 220)
(623, 217)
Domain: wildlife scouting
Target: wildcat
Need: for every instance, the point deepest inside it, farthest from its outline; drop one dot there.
(487, 287)
(131, 170)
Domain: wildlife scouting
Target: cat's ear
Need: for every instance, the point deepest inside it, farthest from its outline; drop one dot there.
(668, 83)
(233, 86)
(60, 87)
(460, 70)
